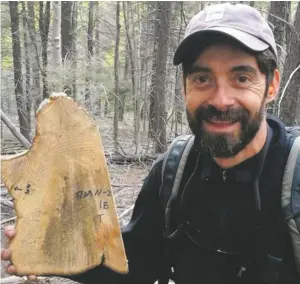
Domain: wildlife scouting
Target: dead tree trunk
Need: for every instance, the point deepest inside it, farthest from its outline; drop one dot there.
(116, 67)
(66, 29)
(74, 49)
(145, 63)
(152, 94)
(14, 130)
(126, 76)
(164, 12)
(289, 93)
(36, 94)
(137, 59)
(90, 44)
(44, 23)
(27, 66)
(18, 78)
(143, 52)
(178, 103)
(98, 66)
(56, 52)
(66, 41)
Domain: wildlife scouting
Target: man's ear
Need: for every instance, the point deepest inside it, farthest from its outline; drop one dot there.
(273, 87)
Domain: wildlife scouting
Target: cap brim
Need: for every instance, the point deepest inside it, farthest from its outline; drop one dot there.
(245, 39)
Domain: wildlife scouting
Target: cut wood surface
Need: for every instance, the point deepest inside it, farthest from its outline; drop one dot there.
(66, 215)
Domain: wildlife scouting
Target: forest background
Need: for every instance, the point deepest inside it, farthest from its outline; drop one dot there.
(115, 59)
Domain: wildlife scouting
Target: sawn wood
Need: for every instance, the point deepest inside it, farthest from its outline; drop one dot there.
(66, 215)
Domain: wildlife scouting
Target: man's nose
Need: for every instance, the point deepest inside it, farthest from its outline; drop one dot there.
(221, 99)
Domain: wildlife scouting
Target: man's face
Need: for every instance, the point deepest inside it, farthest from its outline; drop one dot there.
(225, 99)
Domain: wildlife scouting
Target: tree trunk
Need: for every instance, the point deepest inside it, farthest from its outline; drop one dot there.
(143, 59)
(133, 74)
(164, 12)
(145, 64)
(27, 67)
(122, 102)
(152, 94)
(66, 42)
(116, 68)
(290, 86)
(90, 44)
(56, 52)
(279, 12)
(126, 76)
(14, 130)
(36, 94)
(137, 59)
(178, 104)
(74, 49)
(44, 23)
(66, 29)
(18, 79)
(98, 56)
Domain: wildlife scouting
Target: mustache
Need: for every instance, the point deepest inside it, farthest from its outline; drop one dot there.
(210, 113)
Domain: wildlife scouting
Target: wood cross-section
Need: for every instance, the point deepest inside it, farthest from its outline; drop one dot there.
(66, 215)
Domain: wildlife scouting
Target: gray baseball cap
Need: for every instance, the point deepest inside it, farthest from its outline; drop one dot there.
(239, 21)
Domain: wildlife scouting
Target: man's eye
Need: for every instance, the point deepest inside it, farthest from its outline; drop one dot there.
(242, 79)
(202, 79)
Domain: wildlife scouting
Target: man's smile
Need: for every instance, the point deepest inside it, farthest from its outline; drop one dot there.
(220, 126)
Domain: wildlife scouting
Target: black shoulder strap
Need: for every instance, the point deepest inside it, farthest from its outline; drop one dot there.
(172, 170)
(173, 166)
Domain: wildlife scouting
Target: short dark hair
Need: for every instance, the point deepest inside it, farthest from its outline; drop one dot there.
(266, 60)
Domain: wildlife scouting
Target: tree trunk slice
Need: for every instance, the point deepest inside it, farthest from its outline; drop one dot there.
(66, 215)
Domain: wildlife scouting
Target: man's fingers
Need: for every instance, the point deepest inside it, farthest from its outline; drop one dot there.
(10, 231)
(5, 254)
(11, 269)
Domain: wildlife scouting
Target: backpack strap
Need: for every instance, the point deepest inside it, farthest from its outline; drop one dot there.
(173, 166)
(172, 171)
(290, 199)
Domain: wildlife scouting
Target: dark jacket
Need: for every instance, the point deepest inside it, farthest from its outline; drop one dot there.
(221, 206)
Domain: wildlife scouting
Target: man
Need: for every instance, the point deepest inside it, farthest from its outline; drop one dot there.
(230, 74)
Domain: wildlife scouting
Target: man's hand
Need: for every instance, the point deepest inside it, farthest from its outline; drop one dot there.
(10, 232)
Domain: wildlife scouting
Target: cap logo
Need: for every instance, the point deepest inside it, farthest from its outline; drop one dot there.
(214, 13)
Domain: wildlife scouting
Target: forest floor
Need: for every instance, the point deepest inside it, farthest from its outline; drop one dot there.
(126, 180)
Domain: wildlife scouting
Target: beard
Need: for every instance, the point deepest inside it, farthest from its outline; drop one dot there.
(224, 145)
